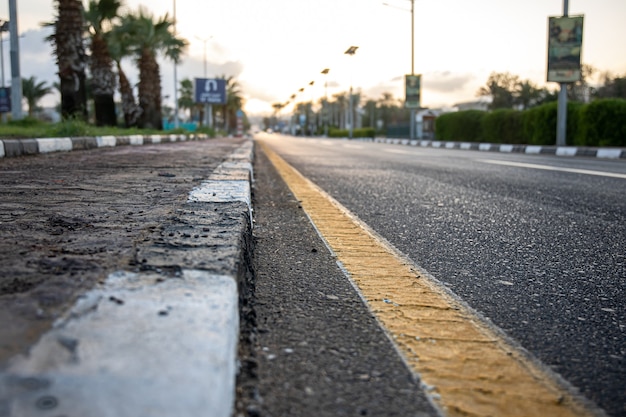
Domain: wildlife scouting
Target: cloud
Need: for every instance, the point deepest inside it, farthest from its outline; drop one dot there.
(446, 81)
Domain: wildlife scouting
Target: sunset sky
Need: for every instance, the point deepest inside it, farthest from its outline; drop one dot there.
(275, 47)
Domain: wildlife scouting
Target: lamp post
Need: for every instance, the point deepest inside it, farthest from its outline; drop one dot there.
(561, 122)
(351, 51)
(325, 102)
(175, 78)
(16, 78)
(3, 28)
(208, 108)
(412, 115)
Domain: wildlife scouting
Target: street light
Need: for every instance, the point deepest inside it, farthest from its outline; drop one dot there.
(412, 116)
(325, 71)
(3, 28)
(208, 108)
(351, 51)
(175, 78)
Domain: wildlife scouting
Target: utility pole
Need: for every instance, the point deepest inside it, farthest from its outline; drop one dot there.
(561, 122)
(16, 78)
(412, 129)
(175, 78)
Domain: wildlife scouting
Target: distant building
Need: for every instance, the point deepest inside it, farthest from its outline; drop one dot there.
(480, 104)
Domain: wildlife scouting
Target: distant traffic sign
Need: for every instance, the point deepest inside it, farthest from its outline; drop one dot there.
(210, 90)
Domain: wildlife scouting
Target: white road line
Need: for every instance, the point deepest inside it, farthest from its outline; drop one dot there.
(400, 151)
(549, 168)
(345, 145)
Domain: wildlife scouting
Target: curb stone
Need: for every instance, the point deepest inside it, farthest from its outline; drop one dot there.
(610, 153)
(23, 147)
(162, 339)
(572, 151)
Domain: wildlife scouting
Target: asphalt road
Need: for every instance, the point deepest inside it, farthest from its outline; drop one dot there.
(535, 244)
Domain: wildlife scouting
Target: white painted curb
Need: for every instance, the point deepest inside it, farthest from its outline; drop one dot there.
(137, 346)
(47, 145)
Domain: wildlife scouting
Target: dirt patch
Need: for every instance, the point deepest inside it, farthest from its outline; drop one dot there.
(68, 220)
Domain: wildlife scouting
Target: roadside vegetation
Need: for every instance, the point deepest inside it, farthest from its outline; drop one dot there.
(29, 128)
(90, 42)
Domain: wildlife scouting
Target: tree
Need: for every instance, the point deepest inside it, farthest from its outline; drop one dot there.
(100, 15)
(148, 38)
(234, 102)
(120, 48)
(33, 92)
(69, 50)
(185, 96)
(612, 87)
(501, 88)
(526, 94)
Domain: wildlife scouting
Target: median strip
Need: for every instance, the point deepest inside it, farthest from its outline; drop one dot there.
(465, 365)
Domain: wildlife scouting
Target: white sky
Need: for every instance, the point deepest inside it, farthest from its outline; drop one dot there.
(275, 47)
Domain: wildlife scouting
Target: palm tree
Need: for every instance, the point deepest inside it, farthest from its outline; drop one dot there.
(119, 48)
(99, 16)
(148, 38)
(234, 102)
(67, 41)
(186, 100)
(34, 91)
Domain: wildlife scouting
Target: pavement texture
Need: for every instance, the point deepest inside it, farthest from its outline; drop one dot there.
(315, 347)
(107, 256)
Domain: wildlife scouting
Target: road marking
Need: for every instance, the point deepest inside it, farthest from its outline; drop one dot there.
(349, 146)
(467, 368)
(549, 168)
(400, 152)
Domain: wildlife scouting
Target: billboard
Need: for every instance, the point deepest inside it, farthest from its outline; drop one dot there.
(209, 91)
(565, 40)
(412, 88)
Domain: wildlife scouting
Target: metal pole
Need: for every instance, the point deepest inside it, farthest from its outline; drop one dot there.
(16, 78)
(561, 123)
(4, 115)
(412, 116)
(175, 78)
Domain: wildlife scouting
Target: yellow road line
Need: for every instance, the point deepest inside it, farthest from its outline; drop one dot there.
(468, 369)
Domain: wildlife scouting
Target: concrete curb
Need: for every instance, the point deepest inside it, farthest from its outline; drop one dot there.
(162, 339)
(23, 147)
(609, 153)
(572, 151)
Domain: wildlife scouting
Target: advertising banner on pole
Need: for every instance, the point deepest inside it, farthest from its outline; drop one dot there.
(412, 88)
(565, 40)
(210, 91)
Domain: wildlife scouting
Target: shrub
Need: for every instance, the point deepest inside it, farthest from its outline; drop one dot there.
(365, 132)
(602, 123)
(502, 126)
(463, 126)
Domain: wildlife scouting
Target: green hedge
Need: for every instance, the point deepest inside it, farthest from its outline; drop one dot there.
(365, 132)
(501, 126)
(464, 126)
(600, 123)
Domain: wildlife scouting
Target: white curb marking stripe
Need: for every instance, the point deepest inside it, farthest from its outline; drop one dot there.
(47, 145)
(549, 168)
(136, 347)
(106, 141)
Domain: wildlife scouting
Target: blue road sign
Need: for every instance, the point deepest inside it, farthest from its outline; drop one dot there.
(210, 90)
(5, 99)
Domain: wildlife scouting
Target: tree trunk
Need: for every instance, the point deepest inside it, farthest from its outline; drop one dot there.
(71, 58)
(150, 92)
(103, 82)
(129, 107)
